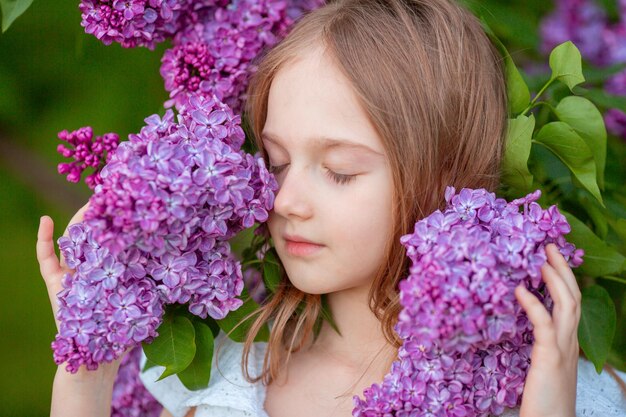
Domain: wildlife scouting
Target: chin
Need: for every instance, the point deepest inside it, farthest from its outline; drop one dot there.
(314, 285)
(309, 287)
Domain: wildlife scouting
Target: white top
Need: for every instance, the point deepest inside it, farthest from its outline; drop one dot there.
(230, 395)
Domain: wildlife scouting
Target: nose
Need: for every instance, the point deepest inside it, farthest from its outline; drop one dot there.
(295, 197)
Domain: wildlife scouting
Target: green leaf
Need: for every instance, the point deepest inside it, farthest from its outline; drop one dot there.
(515, 171)
(597, 325)
(566, 64)
(572, 150)
(585, 118)
(517, 92)
(271, 271)
(327, 314)
(233, 319)
(600, 259)
(197, 375)
(174, 347)
(11, 10)
(149, 364)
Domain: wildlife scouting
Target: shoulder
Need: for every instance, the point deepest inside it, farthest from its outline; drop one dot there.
(228, 392)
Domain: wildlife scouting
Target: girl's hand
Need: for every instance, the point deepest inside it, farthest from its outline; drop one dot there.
(52, 270)
(85, 393)
(550, 388)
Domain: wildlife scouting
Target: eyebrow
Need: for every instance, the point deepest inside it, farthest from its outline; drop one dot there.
(327, 143)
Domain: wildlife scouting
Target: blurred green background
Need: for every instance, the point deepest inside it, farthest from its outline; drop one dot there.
(53, 77)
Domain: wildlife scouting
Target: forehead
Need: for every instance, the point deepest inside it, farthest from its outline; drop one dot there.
(310, 100)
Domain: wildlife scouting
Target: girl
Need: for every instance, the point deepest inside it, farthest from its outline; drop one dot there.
(365, 112)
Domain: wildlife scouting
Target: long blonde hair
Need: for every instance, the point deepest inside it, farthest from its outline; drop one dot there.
(433, 86)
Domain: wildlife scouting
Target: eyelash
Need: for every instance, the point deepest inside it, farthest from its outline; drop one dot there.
(338, 178)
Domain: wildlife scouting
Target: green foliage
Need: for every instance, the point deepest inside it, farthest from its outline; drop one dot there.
(271, 270)
(174, 347)
(11, 10)
(197, 374)
(586, 120)
(515, 163)
(597, 325)
(564, 142)
(517, 92)
(566, 65)
(558, 143)
(239, 323)
(600, 259)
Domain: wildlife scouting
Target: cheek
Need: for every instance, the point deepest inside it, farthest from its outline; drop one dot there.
(363, 225)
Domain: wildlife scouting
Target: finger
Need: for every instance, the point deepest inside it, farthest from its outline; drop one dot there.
(564, 313)
(558, 262)
(558, 289)
(543, 326)
(49, 265)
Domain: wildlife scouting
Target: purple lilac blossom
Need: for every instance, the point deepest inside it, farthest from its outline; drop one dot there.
(133, 23)
(130, 396)
(156, 232)
(583, 22)
(175, 181)
(466, 341)
(214, 51)
(87, 152)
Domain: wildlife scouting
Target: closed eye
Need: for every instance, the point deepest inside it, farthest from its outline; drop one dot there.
(336, 177)
(340, 178)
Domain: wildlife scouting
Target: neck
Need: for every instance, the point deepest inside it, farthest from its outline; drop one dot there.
(361, 344)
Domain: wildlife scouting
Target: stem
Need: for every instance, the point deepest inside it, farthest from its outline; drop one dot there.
(534, 100)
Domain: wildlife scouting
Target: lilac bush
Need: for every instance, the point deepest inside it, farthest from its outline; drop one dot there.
(87, 152)
(466, 341)
(156, 232)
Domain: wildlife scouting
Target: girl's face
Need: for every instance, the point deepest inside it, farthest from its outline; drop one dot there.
(335, 181)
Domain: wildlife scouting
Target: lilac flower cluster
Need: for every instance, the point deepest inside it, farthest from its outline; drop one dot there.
(600, 41)
(214, 52)
(130, 396)
(466, 341)
(133, 23)
(106, 306)
(156, 232)
(88, 152)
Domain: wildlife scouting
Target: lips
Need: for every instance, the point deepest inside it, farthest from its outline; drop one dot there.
(300, 246)
(299, 239)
